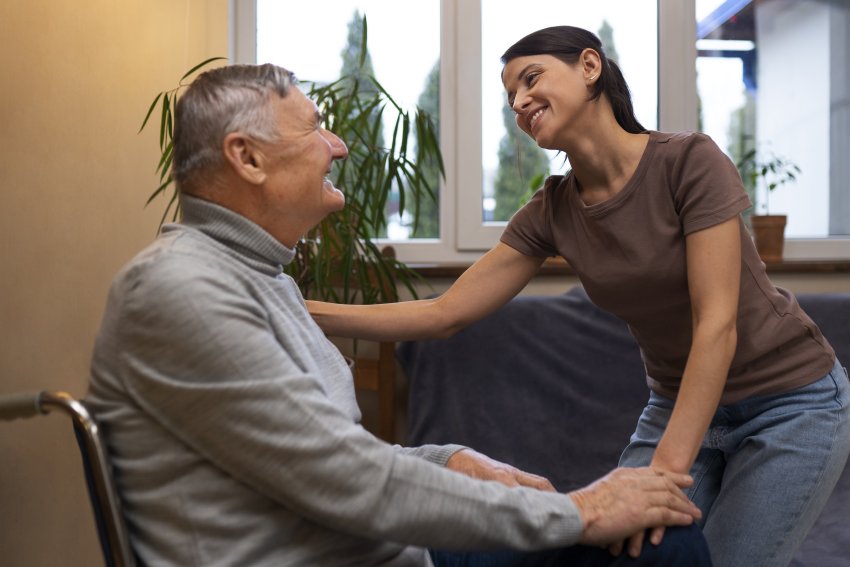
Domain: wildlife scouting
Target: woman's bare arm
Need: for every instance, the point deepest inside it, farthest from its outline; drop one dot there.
(487, 285)
(714, 274)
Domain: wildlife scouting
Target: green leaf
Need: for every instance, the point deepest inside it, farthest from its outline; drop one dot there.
(363, 38)
(405, 133)
(169, 124)
(201, 64)
(393, 145)
(164, 121)
(150, 111)
(173, 203)
(166, 168)
(159, 190)
(165, 160)
(384, 92)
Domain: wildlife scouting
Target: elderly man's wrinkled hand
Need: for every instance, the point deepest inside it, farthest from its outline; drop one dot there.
(482, 467)
(628, 501)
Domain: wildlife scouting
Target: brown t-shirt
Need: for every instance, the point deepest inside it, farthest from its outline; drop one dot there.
(629, 253)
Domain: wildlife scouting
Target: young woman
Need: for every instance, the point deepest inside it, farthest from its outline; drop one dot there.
(746, 393)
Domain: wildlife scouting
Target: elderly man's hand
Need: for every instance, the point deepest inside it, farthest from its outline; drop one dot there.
(627, 501)
(482, 467)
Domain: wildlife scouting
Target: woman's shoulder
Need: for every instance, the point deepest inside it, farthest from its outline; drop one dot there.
(687, 150)
(684, 140)
(555, 192)
(557, 183)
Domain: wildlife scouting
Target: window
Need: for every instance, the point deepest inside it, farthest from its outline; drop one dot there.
(772, 78)
(469, 35)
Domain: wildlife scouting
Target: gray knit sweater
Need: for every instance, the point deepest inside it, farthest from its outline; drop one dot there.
(234, 431)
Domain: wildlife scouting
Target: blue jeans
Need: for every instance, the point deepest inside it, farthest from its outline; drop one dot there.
(681, 547)
(765, 470)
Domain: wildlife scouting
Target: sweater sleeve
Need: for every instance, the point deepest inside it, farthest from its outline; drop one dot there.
(200, 355)
(437, 454)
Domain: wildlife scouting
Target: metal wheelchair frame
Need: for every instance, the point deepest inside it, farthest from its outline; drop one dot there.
(111, 529)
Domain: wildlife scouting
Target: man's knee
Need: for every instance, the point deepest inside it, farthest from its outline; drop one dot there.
(681, 547)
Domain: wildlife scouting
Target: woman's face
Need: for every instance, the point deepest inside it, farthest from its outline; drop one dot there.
(547, 95)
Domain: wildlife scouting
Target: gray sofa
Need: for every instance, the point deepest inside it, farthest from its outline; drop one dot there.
(554, 385)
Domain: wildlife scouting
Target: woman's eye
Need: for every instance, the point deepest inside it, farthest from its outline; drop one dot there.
(530, 78)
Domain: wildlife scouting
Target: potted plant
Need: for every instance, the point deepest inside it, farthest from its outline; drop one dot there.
(768, 229)
(339, 260)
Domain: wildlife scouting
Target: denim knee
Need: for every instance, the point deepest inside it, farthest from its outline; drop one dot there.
(681, 547)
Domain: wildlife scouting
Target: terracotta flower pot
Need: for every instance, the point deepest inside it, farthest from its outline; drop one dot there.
(769, 236)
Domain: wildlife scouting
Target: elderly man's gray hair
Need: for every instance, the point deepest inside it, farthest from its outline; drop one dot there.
(229, 99)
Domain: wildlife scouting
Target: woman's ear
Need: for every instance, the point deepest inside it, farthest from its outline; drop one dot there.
(591, 64)
(245, 157)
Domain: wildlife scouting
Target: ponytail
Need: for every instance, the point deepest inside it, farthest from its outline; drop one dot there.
(613, 84)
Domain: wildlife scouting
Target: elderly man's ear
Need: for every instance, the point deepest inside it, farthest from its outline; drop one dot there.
(245, 157)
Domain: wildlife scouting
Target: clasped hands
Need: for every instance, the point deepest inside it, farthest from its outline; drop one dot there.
(625, 502)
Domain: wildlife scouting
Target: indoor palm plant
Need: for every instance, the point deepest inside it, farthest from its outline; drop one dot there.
(339, 260)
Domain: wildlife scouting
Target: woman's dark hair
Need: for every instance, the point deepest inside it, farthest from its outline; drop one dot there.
(566, 43)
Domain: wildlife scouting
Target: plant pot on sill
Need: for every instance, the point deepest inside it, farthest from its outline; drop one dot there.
(769, 236)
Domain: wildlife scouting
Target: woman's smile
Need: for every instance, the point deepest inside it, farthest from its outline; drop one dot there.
(535, 117)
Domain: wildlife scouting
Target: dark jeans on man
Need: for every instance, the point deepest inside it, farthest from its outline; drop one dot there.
(681, 547)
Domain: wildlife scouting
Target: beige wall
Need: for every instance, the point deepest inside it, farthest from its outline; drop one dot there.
(74, 176)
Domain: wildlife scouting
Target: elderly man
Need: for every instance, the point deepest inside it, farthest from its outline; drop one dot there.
(231, 420)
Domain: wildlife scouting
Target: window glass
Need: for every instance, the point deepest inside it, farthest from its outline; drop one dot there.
(512, 162)
(772, 83)
(310, 39)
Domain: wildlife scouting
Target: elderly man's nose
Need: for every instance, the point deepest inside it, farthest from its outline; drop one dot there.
(340, 150)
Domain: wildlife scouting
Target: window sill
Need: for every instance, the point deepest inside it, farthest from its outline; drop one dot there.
(559, 267)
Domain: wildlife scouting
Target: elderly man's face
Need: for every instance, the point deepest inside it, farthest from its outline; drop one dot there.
(301, 161)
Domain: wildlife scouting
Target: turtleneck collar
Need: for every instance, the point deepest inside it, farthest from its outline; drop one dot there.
(244, 239)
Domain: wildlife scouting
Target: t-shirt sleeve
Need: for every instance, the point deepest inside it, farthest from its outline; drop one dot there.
(707, 187)
(529, 230)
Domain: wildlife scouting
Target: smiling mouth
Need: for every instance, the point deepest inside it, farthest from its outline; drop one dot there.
(535, 117)
(330, 184)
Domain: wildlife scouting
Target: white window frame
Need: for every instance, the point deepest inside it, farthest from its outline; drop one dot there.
(463, 235)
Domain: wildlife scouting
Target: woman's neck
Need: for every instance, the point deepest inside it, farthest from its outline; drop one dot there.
(604, 160)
